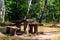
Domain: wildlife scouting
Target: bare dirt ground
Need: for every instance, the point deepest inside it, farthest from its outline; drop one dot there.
(45, 36)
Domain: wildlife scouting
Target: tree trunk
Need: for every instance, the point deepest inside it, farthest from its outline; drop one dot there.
(42, 13)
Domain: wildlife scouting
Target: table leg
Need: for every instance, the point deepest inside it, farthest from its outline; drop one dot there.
(25, 26)
(31, 29)
(35, 29)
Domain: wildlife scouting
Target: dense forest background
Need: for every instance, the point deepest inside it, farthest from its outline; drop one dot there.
(17, 10)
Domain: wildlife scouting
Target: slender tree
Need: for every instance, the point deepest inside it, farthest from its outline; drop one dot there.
(42, 13)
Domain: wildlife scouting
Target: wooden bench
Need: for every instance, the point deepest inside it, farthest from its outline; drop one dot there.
(11, 30)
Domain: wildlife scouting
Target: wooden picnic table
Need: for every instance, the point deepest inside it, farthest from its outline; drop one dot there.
(12, 30)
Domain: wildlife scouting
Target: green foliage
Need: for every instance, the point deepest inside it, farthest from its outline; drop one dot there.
(52, 12)
(35, 9)
(16, 10)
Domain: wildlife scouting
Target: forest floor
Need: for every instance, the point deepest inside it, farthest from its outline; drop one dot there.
(50, 33)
